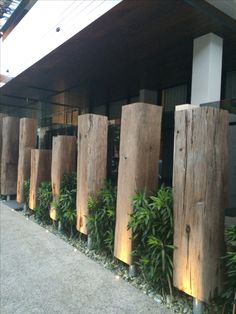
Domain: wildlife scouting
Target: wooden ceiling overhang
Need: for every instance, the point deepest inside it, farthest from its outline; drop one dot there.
(137, 42)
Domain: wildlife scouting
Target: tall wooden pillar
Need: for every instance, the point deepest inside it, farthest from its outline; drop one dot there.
(138, 166)
(10, 147)
(41, 160)
(63, 162)
(2, 115)
(200, 190)
(92, 161)
(27, 141)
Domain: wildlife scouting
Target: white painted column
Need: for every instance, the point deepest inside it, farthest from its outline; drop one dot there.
(207, 68)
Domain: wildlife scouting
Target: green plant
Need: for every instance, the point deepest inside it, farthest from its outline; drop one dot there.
(229, 261)
(66, 203)
(26, 191)
(101, 218)
(152, 228)
(44, 200)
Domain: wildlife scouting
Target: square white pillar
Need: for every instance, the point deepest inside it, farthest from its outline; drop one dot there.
(207, 68)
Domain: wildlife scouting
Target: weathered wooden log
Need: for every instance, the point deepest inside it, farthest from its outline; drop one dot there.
(2, 115)
(63, 162)
(27, 141)
(41, 160)
(10, 147)
(200, 190)
(138, 166)
(92, 161)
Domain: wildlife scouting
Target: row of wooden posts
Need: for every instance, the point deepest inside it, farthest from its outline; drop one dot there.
(199, 179)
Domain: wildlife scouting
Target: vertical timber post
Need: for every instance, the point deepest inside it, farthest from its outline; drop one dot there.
(27, 141)
(138, 167)
(41, 160)
(92, 163)
(200, 189)
(1, 121)
(63, 162)
(10, 152)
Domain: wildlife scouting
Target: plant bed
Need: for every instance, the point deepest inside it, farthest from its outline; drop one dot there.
(149, 215)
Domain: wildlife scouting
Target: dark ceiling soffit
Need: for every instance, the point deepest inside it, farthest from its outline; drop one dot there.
(209, 10)
(17, 15)
(18, 106)
(45, 89)
(34, 100)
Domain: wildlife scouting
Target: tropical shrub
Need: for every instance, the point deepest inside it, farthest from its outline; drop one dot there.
(101, 219)
(229, 261)
(66, 204)
(152, 228)
(44, 200)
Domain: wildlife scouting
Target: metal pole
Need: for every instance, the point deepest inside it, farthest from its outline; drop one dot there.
(198, 306)
(89, 243)
(59, 226)
(132, 271)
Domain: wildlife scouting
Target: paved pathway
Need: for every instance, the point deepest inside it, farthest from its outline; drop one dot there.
(41, 273)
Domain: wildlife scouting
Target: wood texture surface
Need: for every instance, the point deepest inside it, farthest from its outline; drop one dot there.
(10, 151)
(92, 161)
(41, 160)
(2, 115)
(27, 141)
(138, 166)
(63, 162)
(200, 192)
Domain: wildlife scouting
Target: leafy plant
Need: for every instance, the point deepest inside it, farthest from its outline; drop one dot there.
(66, 203)
(113, 152)
(229, 261)
(152, 227)
(44, 200)
(101, 218)
(26, 191)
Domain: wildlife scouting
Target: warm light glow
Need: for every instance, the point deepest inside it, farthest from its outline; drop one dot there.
(53, 213)
(32, 202)
(123, 247)
(75, 250)
(117, 277)
(47, 231)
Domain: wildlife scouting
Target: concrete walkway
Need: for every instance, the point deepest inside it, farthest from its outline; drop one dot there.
(41, 273)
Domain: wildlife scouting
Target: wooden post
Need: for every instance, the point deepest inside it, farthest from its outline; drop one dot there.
(138, 166)
(27, 141)
(92, 161)
(41, 160)
(2, 115)
(10, 146)
(63, 162)
(200, 189)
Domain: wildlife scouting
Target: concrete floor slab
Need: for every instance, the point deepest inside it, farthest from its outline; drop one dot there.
(41, 273)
